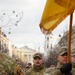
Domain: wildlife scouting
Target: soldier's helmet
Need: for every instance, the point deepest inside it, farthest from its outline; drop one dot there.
(7, 65)
(37, 55)
(62, 50)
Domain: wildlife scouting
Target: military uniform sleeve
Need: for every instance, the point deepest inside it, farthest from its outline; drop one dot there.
(48, 71)
(56, 72)
(28, 72)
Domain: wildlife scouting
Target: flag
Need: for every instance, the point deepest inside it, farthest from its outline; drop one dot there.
(54, 12)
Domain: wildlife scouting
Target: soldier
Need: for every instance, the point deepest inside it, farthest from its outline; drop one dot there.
(73, 61)
(30, 65)
(38, 68)
(7, 65)
(27, 67)
(62, 68)
(18, 67)
(51, 68)
(19, 71)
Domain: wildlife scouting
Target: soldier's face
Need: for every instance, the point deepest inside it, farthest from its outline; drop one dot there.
(62, 59)
(37, 61)
(73, 59)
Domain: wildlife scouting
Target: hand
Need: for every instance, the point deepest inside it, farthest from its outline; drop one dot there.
(66, 68)
(69, 73)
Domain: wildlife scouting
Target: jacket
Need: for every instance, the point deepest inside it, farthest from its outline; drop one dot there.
(36, 70)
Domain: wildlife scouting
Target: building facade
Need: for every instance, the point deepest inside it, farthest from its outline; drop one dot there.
(5, 44)
(26, 54)
(48, 43)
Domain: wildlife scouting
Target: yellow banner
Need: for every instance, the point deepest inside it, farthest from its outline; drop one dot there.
(54, 12)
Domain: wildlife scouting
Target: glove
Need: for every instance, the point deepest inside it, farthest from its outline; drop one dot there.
(69, 73)
(66, 68)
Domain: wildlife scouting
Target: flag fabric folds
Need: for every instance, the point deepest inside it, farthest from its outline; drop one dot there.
(54, 12)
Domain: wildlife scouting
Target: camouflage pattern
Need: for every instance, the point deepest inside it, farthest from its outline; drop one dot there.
(73, 52)
(19, 70)
(36, 71)
(55, 71)
(73, 64)
(49, 70)
(62, 50)
(73, 68)
(37, 55)
(7, 65)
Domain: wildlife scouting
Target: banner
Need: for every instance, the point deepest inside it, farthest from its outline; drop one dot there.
(55, 11)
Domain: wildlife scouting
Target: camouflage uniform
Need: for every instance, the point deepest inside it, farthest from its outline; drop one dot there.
(7, 65)
(73, 64)
(35, 70)
(51, 68)
(56, 70)
(73, 68)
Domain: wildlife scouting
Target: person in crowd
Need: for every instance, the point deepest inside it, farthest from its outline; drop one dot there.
(30, 65)
(52, 66)
(62, 68)
(73, 61)
(38, 68)
(27, 67)
(19, 70)
(18, 67)
(7, 65)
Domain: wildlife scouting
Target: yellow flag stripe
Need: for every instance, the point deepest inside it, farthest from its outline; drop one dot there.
(55, 11)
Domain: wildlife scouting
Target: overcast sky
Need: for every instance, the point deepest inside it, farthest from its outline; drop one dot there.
(28, 32)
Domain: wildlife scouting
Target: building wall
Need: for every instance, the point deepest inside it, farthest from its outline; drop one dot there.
(64, 40)
(26, 54)
(48, 43)
(6, 46)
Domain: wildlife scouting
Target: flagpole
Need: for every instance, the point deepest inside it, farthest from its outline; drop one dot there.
(69, 37)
